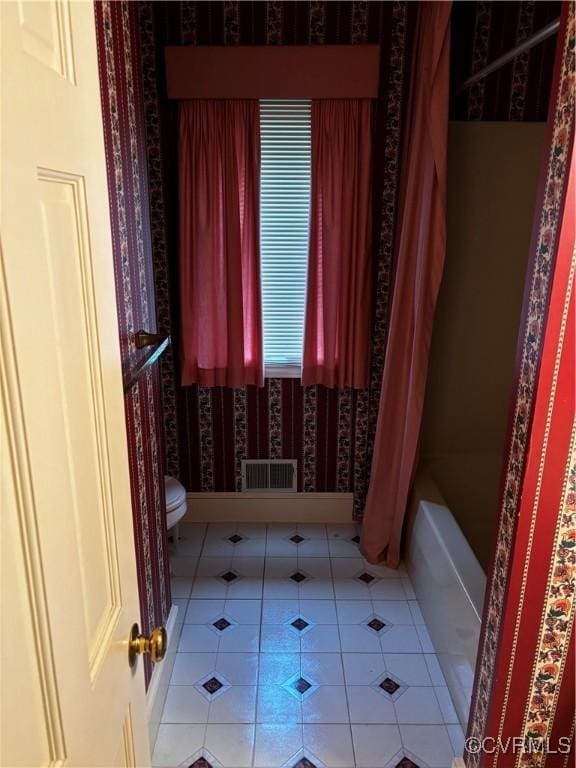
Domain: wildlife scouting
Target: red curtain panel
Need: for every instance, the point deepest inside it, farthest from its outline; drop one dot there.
(337, 325)
(219, 180)
(420, 249)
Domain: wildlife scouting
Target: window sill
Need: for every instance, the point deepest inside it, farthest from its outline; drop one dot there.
(280, 371)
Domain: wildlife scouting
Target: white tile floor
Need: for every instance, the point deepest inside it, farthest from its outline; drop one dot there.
(294, 652)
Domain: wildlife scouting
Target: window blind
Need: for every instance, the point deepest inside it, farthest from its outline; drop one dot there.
(285, 136)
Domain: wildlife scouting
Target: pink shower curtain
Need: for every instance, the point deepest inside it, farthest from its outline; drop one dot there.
(337, 326)
(420, 248)
(220, 304)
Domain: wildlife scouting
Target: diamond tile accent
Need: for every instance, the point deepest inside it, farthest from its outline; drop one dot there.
(297, 539)
(202, 759)
(389, 686)
(376, 624)
(300, 688)
(213, 685)
(304, 759)
(392, 688)
(229, 577)
(300, 624)
(406, 763)
(302, 685)
(221, 624)
(297, 576)
(200, 763)
(235, 539)
(367, 578)
(355, 539)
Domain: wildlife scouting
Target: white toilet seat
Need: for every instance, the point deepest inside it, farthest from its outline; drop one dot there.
(176, 505)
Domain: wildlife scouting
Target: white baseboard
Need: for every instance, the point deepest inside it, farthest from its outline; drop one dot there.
(269, 507)
(161, 673)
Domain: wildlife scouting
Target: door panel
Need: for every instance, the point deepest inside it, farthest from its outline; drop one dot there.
(126, 757)
(67, 538)
(44, 29)
(33, 712)
(64, 217)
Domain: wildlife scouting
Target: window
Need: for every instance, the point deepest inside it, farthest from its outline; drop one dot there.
(285, 128)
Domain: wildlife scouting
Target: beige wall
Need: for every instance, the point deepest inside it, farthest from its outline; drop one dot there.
(492, 176)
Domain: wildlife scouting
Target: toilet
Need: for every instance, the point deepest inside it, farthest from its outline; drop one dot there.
(175, 505)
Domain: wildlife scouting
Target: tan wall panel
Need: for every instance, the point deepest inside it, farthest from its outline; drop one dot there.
(492, 176)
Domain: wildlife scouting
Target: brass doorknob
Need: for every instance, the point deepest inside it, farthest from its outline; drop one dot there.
(155, 645)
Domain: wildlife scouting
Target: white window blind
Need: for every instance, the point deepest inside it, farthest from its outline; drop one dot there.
(285, 128)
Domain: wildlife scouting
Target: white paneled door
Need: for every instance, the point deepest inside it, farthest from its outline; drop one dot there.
(69, 593)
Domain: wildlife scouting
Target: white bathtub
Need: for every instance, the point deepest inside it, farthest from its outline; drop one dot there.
(449, 584)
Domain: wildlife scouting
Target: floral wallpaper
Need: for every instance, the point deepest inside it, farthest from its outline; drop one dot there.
(481, 32)
(329, 432)
(504, 643)
(127, 165)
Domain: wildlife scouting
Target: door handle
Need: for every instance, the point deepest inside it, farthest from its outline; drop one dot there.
(155, 644)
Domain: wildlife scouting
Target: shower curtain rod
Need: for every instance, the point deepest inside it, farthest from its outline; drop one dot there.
(538, 37)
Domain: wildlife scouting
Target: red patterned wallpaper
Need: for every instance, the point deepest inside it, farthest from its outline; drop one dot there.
(122, 102)
(524, 685)
(330, 432)
(484, 30)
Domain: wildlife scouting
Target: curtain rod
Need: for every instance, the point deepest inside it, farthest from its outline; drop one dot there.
(538, 37)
